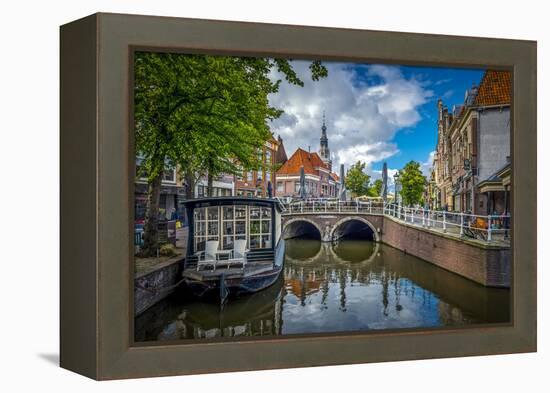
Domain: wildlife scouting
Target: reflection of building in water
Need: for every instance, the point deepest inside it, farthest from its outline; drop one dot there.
(302, 284)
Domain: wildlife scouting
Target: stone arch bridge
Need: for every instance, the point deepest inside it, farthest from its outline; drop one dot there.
(332, 226)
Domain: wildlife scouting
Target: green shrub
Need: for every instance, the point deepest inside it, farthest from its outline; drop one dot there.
(167, 250)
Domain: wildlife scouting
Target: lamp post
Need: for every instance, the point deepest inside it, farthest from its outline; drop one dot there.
(397, 184)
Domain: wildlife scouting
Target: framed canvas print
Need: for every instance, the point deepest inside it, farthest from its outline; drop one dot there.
(240, 196)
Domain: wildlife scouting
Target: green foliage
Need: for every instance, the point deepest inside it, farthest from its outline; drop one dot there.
(357, 181)
(167, 250)
(376, 189)
(206, 112)
(412, 183)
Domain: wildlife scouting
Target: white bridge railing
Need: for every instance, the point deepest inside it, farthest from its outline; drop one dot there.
(331, 205)
(488, 228)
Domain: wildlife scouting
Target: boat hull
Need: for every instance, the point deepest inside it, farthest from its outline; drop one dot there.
(234, 286)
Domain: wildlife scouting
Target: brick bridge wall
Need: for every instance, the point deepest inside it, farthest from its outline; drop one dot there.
(485, 264)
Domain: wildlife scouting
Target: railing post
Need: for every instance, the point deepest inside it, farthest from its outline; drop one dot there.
(444, 221)
(339, 208)
(423, 217)
(357, 205)
(370, 207)
(301, 206)
(461, 224)
(326, 203)
(489, 224)
(412, 215)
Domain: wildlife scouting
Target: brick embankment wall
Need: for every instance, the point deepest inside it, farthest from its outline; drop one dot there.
(155, 285)
(487, 265)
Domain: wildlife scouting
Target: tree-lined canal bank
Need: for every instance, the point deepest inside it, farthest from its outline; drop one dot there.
(349, 286)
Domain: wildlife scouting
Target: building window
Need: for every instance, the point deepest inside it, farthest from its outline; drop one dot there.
(261, 156)
(169, 175)
(234, 225)
(249, 176)
(268, 157)
(260, 227)
(206, 226)
(240, 172)
(267, 176)
(280, 186)
(141, 174)
(297, 186)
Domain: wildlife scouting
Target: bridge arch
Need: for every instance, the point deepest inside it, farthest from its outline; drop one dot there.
(349, 220)
(300, 226)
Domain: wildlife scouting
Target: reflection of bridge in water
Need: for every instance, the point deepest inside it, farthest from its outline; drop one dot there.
(312, 268)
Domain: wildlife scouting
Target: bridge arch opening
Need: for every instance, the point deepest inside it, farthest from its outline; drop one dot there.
(301, 228)
(354, 229)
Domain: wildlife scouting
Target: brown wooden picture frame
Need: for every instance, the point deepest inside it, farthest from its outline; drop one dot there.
(97, 167)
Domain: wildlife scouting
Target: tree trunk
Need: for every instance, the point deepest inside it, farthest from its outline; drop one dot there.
(210, 185)
(190, 189)
(150, 229)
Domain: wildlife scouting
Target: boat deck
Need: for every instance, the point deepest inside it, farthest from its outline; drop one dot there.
(208, 274)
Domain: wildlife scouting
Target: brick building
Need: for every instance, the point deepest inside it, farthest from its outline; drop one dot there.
(320, 181)
(473, 148)
(254, 183)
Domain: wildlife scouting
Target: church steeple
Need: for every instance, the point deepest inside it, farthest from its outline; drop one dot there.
(324, 152)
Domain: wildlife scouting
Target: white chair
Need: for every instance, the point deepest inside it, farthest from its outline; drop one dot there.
(238, 254)
(208, 256)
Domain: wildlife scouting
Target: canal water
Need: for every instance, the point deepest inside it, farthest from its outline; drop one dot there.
(354, 285)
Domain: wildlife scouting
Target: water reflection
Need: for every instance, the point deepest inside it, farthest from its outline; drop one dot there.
(353, 285)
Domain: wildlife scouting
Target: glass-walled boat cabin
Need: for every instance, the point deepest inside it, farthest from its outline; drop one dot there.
(225, 220)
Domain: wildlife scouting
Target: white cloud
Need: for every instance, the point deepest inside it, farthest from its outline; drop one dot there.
(442, 81)
(426, 166)
(362, 118)
(367, 153)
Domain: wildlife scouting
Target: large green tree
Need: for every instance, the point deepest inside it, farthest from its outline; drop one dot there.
(205, 114)
(412, 183)
(357, 181)
(376, 189)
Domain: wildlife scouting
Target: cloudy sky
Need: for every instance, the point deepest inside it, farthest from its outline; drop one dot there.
(374, 113)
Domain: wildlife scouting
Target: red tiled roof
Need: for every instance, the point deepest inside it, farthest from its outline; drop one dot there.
(495, 88)
(335, 176)
(310, 161)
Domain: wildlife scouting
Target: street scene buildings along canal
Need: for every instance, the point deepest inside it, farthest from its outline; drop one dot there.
(311, 238)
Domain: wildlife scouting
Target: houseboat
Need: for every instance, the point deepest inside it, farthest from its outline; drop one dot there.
(234, 246)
